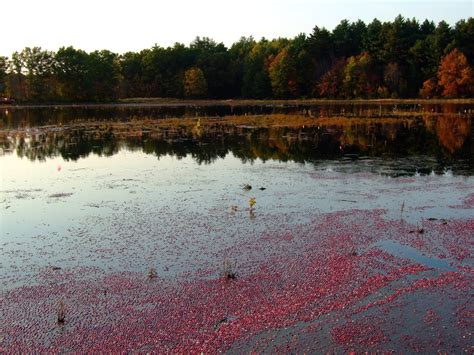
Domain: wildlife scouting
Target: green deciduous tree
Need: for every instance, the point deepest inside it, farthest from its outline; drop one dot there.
(256, 82)
(357, 81)
(103, 75)
(72, 74)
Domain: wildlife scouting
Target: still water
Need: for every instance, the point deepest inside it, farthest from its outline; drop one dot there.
(109, 188)
(360, 237)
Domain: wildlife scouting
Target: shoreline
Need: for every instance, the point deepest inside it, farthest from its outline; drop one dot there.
(159, 102)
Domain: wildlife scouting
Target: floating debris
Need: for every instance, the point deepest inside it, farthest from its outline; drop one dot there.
(152, 273)
(221, 322)
(61, 194)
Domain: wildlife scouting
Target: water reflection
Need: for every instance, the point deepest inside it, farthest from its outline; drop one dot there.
(433, 143)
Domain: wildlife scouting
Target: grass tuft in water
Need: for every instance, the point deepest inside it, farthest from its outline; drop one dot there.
(152, 273)
(229, 272)
(61, 313)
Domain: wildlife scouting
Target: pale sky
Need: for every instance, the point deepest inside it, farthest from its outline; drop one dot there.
(123, 25)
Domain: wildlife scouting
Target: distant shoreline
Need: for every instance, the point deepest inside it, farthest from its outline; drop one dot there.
(160, 102)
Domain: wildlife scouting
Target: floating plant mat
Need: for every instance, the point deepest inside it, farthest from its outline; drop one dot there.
(191, 243)
(322, 286)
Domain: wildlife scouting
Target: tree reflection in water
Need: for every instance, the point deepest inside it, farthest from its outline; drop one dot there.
(446, 138)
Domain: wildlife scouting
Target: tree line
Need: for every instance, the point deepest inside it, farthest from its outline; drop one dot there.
(395, 59)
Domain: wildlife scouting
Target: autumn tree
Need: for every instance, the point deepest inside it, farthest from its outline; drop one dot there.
(357, 81)
(194, 84)
(455, 75)
(279, 73)
(331, 82)
(399, 58)
(430, 89)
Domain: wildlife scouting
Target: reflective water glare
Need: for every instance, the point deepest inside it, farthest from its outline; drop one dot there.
(129, 194)
(75, 194)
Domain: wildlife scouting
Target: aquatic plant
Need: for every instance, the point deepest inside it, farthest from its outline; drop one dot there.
(373, 289)
(228, 271)
(420, 229)
(61, 314)
(152, 273)
(252, 203)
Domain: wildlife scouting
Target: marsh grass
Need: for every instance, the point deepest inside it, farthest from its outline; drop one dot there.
(420, 229)
(152, 273)
(228, 270)
(61, 312)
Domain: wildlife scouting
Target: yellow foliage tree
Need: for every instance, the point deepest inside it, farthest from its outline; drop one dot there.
(194, 85)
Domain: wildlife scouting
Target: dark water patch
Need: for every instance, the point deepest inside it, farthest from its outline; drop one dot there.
(61, 195)
(407, 252)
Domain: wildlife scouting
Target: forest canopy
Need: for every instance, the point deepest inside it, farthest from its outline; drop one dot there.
(399, 59)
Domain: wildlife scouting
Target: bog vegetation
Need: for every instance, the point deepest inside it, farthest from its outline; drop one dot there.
(399, 59)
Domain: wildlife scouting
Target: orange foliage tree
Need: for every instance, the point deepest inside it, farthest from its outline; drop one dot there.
(455, 75)
(430, 89)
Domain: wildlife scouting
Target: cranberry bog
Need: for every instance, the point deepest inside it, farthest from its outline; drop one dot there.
(213, 237)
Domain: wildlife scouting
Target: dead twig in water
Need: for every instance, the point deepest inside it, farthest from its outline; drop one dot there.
(61, 312)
